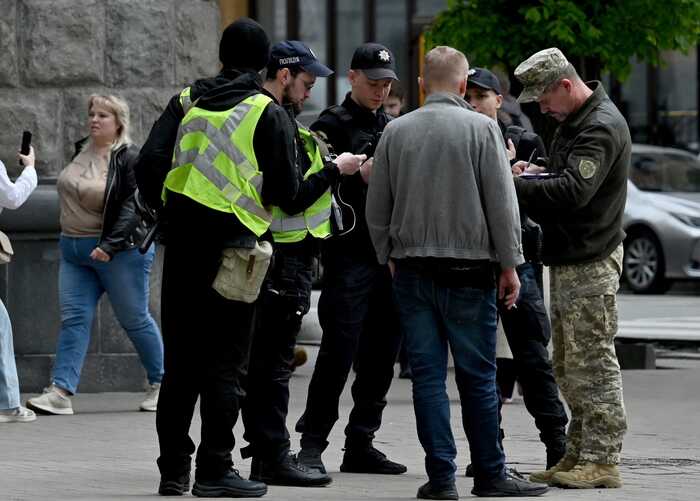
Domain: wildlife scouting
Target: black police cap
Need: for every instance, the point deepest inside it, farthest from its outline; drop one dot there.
(375, 61)
(481, 77)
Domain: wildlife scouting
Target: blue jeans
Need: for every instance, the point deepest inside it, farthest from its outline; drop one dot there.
(9, 384)
(434, 317)
(81, 283)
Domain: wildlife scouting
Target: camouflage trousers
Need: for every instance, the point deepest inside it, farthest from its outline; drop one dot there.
(584, 324)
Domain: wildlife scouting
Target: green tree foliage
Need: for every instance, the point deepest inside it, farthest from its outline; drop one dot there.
(594, 34)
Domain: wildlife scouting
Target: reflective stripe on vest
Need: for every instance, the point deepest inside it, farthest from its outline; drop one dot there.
(315, 219)
(185, 100)
(215, 164)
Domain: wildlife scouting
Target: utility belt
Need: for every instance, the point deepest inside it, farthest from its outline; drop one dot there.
(449, 272)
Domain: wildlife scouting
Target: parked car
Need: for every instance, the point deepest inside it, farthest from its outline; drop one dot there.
(662, 219)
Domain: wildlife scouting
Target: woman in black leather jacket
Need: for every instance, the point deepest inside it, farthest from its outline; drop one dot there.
(100, 233)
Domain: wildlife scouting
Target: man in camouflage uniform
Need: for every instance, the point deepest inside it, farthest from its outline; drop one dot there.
(579, 207)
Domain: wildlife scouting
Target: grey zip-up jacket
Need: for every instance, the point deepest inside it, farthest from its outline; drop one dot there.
(441, 186)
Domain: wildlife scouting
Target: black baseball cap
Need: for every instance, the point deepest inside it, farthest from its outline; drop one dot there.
(481, 77)
(291, 54)
(375, 61)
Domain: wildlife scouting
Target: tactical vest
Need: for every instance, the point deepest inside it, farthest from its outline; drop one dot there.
(316, 219)
(214, 162)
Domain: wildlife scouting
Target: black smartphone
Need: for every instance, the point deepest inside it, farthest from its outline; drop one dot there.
(365, 149)
(26, 142)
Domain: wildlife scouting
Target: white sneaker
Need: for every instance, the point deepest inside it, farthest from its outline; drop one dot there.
(150, 404)
(51, 402)
(17, 415)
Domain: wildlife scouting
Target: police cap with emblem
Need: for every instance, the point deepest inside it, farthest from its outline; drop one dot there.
(539, 71)
(375, 61)
(295, 54)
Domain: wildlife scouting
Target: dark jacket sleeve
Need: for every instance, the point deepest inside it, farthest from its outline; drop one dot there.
(155, 160)
(575, 187)
(275, 150)
(116, 237)
(311, 188)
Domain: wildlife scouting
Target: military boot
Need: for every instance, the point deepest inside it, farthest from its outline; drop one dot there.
(589, 476)
(545, 477)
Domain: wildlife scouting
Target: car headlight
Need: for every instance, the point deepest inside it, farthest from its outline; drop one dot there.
(693, 221)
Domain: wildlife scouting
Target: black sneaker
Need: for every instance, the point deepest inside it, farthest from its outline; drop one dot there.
(231, 485)
(431, 491)
(288, 472)
(469, 472)
(174, 486)
(369, 460)
(509, 486)
(311, 458)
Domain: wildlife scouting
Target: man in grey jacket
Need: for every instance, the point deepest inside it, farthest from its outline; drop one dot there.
(441, 209)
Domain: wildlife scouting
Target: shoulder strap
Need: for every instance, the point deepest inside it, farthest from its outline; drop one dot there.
(321, 141)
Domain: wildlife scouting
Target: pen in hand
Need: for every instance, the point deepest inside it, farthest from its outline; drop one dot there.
(529, 160)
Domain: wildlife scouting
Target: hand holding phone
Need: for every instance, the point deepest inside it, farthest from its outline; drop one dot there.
(25, 148)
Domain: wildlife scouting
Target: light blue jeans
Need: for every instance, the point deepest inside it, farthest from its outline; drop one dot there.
(9, 384)
(81, 283)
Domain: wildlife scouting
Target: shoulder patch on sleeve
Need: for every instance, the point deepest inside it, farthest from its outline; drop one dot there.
(587, 168)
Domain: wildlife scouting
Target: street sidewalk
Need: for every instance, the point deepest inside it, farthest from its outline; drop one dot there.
(107, 450)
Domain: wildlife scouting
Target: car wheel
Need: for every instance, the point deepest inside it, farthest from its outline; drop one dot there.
(643, 265)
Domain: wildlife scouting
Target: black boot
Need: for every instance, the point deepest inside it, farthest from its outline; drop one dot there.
(311, 458)
(369, 460)
(432, 491)
(230, 485)
(287, 472)
(174, 486)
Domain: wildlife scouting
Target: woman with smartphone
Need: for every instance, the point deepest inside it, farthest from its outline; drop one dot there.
(100, 234)
(13, 195)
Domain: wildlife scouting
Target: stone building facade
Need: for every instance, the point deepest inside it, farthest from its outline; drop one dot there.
(53, 55)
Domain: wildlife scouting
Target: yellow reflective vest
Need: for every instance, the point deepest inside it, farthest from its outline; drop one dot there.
(316, 219)
(214, 161)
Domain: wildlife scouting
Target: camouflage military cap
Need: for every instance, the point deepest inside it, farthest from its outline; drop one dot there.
(539, 71)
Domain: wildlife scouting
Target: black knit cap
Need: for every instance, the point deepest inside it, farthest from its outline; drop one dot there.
(244, 44)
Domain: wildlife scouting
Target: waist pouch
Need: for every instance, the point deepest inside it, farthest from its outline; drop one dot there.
(6, 251)
(242, 272)
(454, 273)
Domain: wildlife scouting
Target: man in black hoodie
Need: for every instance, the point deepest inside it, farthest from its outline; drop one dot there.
(207, 337)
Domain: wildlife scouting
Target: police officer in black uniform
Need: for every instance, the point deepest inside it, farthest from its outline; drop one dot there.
(527, 327)
(356, 309)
